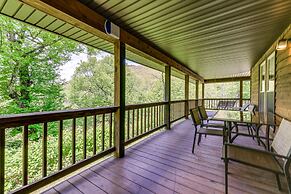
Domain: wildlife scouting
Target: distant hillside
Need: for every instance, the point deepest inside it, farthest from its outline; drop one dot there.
(145, 75)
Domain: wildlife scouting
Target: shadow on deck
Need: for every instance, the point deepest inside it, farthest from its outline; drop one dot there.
(164, 164)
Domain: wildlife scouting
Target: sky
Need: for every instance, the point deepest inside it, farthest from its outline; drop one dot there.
(67, 71)
(69, 68)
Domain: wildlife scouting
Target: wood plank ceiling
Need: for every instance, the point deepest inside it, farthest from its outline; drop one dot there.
(215, 38)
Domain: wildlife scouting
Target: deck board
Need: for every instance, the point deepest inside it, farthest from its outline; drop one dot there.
(164, 163)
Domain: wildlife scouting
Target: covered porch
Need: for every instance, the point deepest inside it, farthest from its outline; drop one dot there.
(146, 147)
(163, 163)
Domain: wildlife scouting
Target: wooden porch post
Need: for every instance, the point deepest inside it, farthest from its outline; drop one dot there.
(203, 94)
(119, 97)
(2, 159)
(196, 93)
(240, 93)
(186, 96)
(167, 96)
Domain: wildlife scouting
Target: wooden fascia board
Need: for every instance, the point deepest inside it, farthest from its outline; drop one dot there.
(231, 79)
(79, 15)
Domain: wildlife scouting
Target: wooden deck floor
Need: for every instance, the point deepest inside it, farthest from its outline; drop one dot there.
(164, 164)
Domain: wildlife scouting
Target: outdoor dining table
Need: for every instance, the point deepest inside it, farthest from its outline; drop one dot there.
(256, 119)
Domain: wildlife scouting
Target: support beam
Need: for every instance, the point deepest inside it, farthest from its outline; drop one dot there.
(77, 14)
(240, 93)
(186, 96)
(2, 159)
(228, 79)
(119, 97)
(167, 97)
(196, 93)
(203, 92)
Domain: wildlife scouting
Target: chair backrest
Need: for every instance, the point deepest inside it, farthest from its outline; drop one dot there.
(221, 104)
(195, 116)
(252, 108)
(230, 104)
(203, 112)
(282, 140)
(244, 107)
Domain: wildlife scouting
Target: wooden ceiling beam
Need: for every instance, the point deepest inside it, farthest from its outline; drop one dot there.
(229, 79)
(79, 15)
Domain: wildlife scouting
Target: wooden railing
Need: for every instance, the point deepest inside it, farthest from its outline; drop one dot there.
(192, 104)
(78, 122)
(177, 110)
(143, 119)
(223, 103)
(93, 127)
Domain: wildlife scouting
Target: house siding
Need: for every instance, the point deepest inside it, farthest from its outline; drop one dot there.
(283, 78)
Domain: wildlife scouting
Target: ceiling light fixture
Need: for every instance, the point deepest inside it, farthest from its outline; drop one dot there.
(282, 44)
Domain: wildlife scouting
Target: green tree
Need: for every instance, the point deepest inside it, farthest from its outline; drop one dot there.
(30, 61)
(92, 83)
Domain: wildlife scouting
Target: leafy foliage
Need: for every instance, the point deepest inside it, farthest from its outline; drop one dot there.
(30, 59)
(92, 83)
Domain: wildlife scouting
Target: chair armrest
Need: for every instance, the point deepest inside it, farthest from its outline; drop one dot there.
(247, 135)
(256, 150)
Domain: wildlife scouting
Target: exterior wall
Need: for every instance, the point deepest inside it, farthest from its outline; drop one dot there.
(283, 81)
(283, 78)
(255, 85)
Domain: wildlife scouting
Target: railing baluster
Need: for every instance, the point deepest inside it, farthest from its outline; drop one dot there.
(154, 119)
(151, 117)
(2, 160)
(157, 107)
(60, 146)
(128, 122)
(25, 155)
(85, 138)
(110, 130)
(103, 131)
(44, 150)
(74, 141)
(132, 130)
(148, 119)
(94, 133)
(137, 121)
(158, 115)
(141, 121)
(145, 120)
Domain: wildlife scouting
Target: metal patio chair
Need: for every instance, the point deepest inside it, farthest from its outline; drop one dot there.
(221, 104)
(250, 128)
(230, 104)
(277, 160)
(202, 130)
(205, 119)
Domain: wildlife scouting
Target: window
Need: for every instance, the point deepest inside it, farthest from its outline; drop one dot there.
(262, 77)
(271, 72)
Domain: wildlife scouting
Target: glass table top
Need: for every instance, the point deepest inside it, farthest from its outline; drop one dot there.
(263, 118)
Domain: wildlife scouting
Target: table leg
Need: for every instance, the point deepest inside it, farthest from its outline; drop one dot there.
(228, 132)
(268, 137)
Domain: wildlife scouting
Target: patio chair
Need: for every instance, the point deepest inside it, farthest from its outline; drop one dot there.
(230, 104)
(277, 160)
(243, 108)
(205, 118)
(221, 104)
(251, 108)
(202, 130)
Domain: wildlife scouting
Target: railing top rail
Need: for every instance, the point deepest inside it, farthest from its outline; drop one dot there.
(177, 101)
(225, 98)
(15, 120)
(144, 105)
